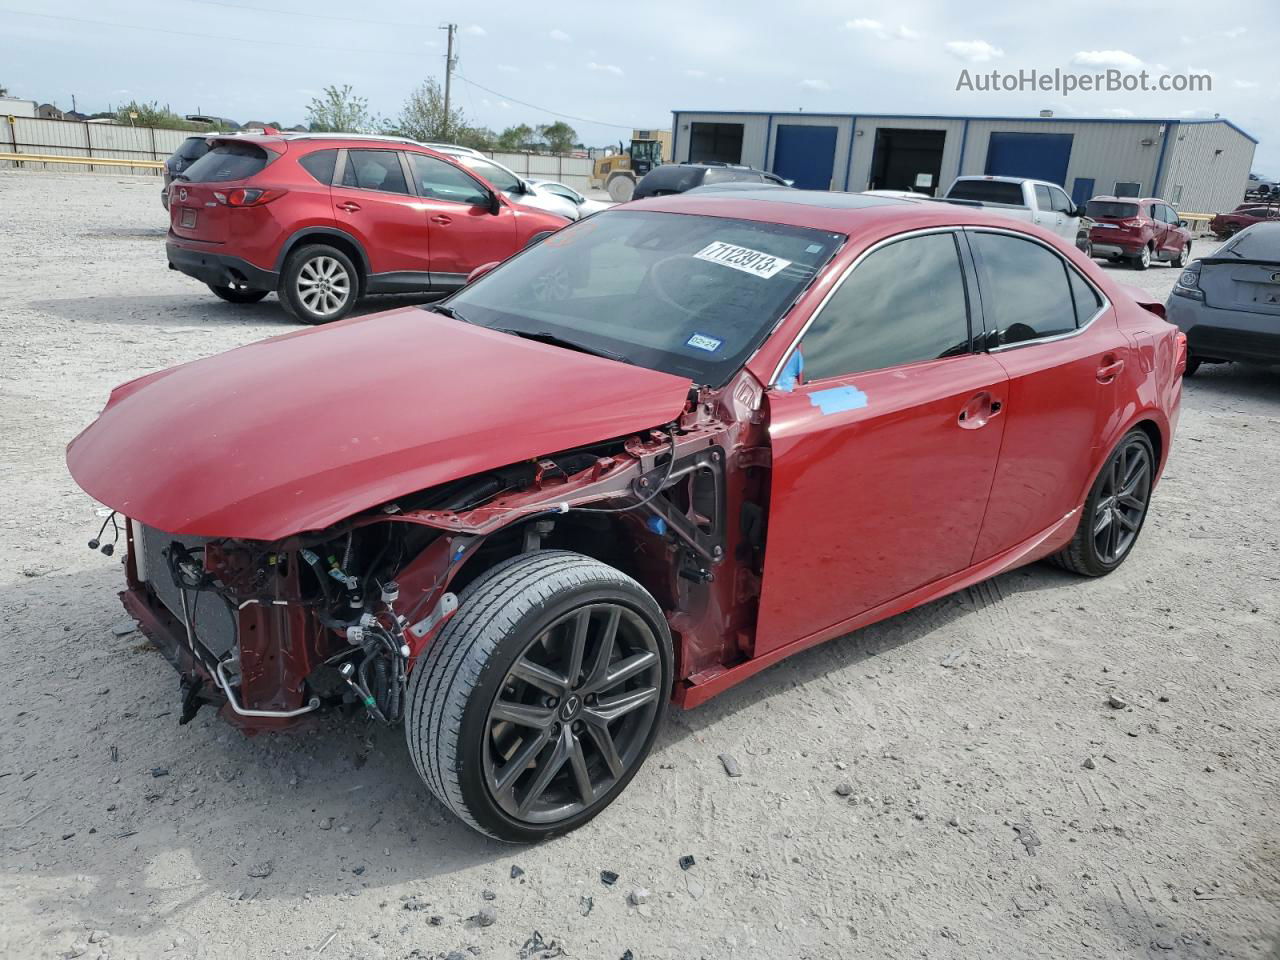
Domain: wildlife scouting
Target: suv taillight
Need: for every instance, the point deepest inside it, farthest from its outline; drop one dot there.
(247, 196)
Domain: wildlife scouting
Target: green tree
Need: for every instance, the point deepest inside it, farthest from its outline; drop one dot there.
(423, 116)
(339, 111)
(4, 91)
(515, 138)
(559, 136)
(153, 115)
(477, 138)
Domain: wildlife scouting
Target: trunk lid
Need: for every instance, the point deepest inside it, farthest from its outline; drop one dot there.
(1230, 284)
(195, 212)
(301, 431)
(197, 199)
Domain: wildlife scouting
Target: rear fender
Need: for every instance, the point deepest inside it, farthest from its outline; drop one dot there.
(321, 234)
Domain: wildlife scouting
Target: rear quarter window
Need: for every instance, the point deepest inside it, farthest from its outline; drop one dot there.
(228, 161)
(320, 165)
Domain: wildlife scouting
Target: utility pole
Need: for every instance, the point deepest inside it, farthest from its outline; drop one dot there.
(449, 63)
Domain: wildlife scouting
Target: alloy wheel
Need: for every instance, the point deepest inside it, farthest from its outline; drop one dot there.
(1145, 257)
(1122, 501)
(573, 713)
(323, 286)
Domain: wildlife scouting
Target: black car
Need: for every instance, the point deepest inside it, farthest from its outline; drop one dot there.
(681, 177)
(190, 150)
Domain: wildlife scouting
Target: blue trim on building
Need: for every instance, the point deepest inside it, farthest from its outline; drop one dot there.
(1170, 132)
(918, 116)
(964, 142)
(848, 161)
(768, 135)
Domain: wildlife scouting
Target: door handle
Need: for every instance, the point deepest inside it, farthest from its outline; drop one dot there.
(978, 411)
(1110, 368)
(349, 206)
(442, 219)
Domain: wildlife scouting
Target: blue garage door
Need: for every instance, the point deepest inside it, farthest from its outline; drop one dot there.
(1039, 156)
(1082, 191)
(805, 155)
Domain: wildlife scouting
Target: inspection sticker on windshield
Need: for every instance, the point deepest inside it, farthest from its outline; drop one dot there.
(700, 341)
(745, 259)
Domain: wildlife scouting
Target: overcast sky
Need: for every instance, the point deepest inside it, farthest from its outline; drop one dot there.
(632, 64)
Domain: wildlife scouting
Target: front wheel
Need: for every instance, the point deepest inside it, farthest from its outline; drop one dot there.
(237, 295)
(540, 699)
(1183, 257)
(1114, 511)
(1193, 364)
(318, 284)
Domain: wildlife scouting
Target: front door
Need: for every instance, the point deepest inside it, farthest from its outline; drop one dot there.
(1064, 357)
(464, 231)
(883, 457)
(372, 202)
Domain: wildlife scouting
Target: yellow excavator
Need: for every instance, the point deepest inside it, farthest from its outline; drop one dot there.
(618, 172)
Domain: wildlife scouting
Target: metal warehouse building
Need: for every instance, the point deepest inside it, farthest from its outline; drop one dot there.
(1197, 165)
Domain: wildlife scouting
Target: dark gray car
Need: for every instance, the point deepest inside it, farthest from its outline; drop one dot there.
(1228, 304)
(682, 177)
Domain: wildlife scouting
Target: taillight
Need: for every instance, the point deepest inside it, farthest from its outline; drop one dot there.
(247, 196)
(1130, 223)
(1188, 284)
(1180, 365)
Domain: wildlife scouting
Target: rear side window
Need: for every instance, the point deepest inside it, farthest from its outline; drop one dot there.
(228, 161)
(438, 180)
(987, 191)
(1025, 293)
(903, 304)
(671, 178)
(1110, 210)
(320, 165)
(374, 170)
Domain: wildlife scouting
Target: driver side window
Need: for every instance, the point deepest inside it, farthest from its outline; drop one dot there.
(438, 180)
(905, 303)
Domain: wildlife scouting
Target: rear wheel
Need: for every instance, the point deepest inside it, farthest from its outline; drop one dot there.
(1143, 259)
(541, 698)
(319, 284)
(1184, 255)
(1114, 511)
(1193, 364)
(236, 295)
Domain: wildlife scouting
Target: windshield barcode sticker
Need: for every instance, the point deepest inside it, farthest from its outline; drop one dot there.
(750, 261)
(700, 341)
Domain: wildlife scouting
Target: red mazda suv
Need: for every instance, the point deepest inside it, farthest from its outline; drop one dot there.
(1138, 231)
(324, 219)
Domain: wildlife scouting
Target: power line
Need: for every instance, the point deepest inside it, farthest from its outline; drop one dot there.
(313, 16)
(534, 106)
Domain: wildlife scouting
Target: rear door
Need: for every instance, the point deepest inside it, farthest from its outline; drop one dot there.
(456, 211)
(372, 202)
(883, 457)
(1057, 340)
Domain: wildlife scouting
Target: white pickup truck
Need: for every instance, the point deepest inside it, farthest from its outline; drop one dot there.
(1044, 204)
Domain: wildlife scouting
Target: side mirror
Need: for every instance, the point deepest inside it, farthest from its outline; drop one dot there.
(1182, 223)
(481, 270)
(495, 204)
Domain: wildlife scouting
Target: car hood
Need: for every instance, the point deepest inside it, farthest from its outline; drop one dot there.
(300, 431)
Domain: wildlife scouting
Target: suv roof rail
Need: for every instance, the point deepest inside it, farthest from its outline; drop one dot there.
(377, 137)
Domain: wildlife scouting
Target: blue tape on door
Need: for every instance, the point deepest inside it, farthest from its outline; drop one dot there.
(838, 400)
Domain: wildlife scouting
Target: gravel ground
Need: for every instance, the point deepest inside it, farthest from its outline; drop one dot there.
(950, 783)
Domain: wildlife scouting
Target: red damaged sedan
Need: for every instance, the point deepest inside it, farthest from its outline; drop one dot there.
(638, 462)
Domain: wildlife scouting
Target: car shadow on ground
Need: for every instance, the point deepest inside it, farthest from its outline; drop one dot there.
(171, 830)
(176, 310)
(1237, 381)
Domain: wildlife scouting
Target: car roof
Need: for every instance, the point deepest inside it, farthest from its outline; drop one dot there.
(846, 213)
(1111, 199)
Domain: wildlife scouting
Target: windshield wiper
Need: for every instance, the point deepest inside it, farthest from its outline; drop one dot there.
(446, 310)
(543, 336)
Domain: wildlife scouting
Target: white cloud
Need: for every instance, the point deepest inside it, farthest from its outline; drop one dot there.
(1106, 58)
(504, 105)
(877, 29)
(818, 85)
(559, 35)
(1235, 33)
(974, 51)
(1245, 84)
(695, 74)
(476, 30)
(605, 68)
(508, 68)
(1117, 112)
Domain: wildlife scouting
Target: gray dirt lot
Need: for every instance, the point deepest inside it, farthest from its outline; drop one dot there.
(960, 727)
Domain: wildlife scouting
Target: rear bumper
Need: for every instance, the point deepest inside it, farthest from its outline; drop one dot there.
(1217, 334)
(1110, 248)
(218, 269)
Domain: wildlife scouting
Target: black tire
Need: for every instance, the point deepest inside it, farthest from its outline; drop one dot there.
(506, 614)
(1183, 257)
(1082, 555)
(1193, 364)
(302, 288)
(1143, 260)
(232, 295)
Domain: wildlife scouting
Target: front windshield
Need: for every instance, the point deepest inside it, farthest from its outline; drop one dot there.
(688, 295)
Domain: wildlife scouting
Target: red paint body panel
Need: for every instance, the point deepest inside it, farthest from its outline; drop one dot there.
(301, 431)
(910, 479)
